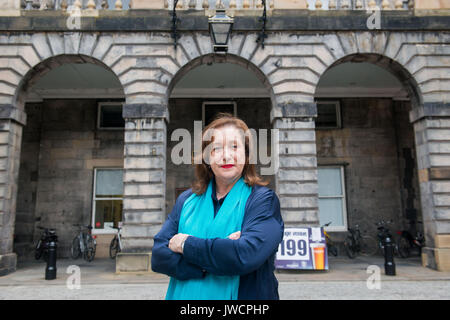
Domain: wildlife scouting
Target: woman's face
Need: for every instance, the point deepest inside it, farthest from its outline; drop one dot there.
(227, 153)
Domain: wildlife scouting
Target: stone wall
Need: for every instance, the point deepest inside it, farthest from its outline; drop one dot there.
(61, 147)
(371, 146)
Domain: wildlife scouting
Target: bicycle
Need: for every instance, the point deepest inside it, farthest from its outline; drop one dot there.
(383, 233)
(407, 242)
(355, 243)
(116, 244)
(332, 248)
(41, 248)
(84, 244)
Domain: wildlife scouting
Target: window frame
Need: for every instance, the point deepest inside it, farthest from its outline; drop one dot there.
(94, 198)
(205, 103)
(343, 228)
(99, 113)
(337, 104)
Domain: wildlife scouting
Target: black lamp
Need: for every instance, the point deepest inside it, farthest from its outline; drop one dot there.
(220, 29)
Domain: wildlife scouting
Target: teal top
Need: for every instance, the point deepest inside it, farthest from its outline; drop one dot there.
(197, 219)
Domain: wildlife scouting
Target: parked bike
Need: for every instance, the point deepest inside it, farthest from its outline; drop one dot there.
(84, 244)
(331, 246)
(355, 243)
(116, 244)
(407, 243)
(41, 248)
(383, 233)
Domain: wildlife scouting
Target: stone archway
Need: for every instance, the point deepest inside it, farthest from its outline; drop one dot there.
(428, 119)
(368, 143)
(205, 86)
(13, 127)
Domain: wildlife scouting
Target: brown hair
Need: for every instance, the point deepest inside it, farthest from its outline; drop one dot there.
(203, 172)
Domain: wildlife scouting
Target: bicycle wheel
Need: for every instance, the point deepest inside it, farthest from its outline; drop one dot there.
(350, 247)
(368, 246)
(75, 250)
(89, 252)
(114, 247)
(403, 247)
(333, 250)
(38, 250)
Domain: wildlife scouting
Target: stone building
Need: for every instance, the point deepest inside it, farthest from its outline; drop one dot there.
(91, 93)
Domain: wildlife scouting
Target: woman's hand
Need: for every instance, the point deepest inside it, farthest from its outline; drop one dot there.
(177, 241)
(235, 235)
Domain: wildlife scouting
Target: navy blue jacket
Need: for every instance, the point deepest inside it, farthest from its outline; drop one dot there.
(251, 257)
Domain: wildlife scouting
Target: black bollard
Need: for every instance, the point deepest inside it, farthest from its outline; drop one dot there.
(389, 264)
(50, 271)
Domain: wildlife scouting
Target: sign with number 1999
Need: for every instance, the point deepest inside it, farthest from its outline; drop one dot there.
(302, 248)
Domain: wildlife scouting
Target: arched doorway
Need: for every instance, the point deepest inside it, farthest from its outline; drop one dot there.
(71, 153)
(367, 162)
(208, 85)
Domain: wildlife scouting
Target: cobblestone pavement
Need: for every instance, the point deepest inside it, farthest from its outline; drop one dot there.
(346, 279)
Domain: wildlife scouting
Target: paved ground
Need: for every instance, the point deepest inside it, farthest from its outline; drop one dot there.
(346, 279)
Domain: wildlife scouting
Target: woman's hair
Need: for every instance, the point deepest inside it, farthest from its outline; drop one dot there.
(204, 173)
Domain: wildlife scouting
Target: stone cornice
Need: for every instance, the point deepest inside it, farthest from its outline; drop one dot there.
(278, 20)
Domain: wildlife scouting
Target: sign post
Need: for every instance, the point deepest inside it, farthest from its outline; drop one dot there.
(302, 249)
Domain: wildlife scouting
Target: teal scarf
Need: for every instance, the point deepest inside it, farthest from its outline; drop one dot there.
(197, 219)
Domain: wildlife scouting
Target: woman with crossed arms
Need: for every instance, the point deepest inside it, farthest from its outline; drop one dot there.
(220, 240)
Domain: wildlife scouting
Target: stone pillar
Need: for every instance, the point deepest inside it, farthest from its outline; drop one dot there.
(296, 179)
(11, 122)
(10, 4)
(432, 132)
(144, 183)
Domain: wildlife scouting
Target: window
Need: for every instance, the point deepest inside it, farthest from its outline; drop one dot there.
(107, 204)
(110, 116)
(328, 115)
(332, 205)
(211, 108)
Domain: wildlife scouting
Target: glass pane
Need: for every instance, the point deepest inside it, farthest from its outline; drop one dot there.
(326, 115)
(221, 32)
(330, 182)
(111, 116)
(331, 210)
(108, 213)
(109, 183)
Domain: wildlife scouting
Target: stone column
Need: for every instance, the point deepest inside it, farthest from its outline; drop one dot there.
(11, 122)
(432, 132)
(10, 4)
(144, 183)
(296, 179)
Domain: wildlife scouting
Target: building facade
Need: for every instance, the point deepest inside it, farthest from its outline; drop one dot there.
(92, 94)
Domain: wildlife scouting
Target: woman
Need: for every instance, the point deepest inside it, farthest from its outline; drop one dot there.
(221, 238)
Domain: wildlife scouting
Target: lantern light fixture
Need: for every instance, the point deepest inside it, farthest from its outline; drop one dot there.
(220, 27)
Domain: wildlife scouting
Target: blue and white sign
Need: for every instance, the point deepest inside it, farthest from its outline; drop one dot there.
(302, 248)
